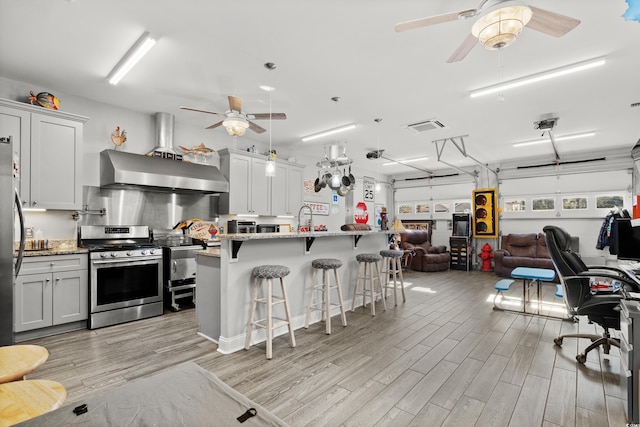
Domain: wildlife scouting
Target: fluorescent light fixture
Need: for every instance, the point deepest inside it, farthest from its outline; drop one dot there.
(534, 78)
(329, 132)
(557, 138)
(266, 88)
(417, 159)
(131, 58)
(34, 210)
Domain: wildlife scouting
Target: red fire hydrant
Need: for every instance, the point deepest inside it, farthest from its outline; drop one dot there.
(486, 256)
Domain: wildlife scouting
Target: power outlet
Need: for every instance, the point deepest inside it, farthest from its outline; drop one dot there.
(28, 231)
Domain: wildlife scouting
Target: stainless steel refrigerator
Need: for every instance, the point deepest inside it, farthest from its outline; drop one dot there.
(10, 210)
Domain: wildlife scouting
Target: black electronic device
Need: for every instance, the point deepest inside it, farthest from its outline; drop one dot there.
(627, 241)
(461, 224)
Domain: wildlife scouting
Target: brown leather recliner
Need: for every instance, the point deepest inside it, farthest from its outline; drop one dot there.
(425, 256)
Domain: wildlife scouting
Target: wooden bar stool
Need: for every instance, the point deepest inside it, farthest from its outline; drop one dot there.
(269, 272)
(365, 271)
(23, 400)
(392, 266)
(16, 361)
(325, 264)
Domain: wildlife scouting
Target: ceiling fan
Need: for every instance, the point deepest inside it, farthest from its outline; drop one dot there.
(236, 121)
(498, 25)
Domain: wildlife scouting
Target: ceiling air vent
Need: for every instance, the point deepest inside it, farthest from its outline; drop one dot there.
(424, 126)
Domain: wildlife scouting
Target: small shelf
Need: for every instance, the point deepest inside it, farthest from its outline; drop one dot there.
(461, 252)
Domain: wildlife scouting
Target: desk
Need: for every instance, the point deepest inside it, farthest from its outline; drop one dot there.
(16, 361)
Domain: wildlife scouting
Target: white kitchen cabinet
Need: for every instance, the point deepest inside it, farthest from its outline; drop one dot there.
(49, 146)
(51, 290)
(251, 192)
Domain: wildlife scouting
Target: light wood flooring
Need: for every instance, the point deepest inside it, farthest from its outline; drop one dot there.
(445, 357)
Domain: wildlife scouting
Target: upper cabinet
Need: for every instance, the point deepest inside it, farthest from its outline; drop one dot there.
(252, 193)
(48, 144)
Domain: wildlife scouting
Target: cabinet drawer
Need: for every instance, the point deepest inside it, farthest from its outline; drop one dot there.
(54, 263)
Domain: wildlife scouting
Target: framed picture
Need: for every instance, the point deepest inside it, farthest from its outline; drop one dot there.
(285, 228)
(417, 224)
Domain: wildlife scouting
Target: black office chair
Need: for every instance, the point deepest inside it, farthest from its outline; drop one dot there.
(601, 308)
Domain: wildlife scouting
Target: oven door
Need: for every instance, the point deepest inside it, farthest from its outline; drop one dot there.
(125, 283)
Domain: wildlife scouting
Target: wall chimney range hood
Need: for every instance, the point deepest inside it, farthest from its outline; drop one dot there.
(119, 169)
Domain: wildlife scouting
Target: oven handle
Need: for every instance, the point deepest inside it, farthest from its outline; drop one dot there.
(122, 261)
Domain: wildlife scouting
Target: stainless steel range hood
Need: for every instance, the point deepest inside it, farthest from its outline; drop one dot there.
(119, 169)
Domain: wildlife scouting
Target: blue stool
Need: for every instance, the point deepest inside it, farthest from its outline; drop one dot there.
(501, 286)
(269, 272)
(559, 293)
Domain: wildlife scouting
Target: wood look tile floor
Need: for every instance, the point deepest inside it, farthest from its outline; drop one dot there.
(444, 358)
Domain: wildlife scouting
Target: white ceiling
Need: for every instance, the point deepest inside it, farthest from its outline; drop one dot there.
(210, 49)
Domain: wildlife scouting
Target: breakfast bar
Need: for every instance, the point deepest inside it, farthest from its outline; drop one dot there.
(224, 276)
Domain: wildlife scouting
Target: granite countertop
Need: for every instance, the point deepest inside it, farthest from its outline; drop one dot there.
(211, 252)
(56, 247)
(298, 235)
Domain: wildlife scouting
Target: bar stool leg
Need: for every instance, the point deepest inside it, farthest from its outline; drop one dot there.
(326, 301)
(384, 303)
(313, 291)
(361, 266)
(292, 338)
(371, 289)
(399, 266)
(254, 298)
(338, 287)
(269, 319)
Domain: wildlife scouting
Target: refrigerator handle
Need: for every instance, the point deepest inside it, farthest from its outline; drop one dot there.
(22, 233)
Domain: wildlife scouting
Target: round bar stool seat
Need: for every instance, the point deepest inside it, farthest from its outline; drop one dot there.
(16, 361)
(269, 272)
(325, 264)
(365, 271)
(23, 400)
(392, 267)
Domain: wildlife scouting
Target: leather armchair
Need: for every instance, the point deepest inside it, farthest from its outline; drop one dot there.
(426, 257)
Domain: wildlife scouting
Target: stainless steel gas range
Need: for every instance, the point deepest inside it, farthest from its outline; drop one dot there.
(125, 274)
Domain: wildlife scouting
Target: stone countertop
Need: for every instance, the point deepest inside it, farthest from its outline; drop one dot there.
(211, 252)
(56, 247)
(298, 235)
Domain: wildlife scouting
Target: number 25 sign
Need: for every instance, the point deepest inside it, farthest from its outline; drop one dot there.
(369, 186)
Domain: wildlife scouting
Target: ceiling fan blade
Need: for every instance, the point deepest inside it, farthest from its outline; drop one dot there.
(257, 129)
(215, 125)
(201, 111)
(265, 116)
(432, 20)
(551, 23)
(462, 50)
(235, 104)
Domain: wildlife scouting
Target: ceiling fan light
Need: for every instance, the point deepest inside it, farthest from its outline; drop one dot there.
(500, 27)
(235, 126)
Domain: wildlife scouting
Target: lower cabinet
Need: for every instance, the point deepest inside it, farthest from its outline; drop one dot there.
(460, 253)
(51, 290)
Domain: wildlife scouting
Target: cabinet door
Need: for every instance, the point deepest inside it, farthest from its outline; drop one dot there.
(15, 123)
(239, 179)
(32, 298)
(56, 154)
(295, 188)
(279, 191)
(70, 296)
(260, 188)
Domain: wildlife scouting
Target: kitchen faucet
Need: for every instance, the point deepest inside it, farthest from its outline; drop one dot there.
(310, 221)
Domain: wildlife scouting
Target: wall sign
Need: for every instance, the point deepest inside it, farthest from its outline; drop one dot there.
(369, 188)
(318, 208)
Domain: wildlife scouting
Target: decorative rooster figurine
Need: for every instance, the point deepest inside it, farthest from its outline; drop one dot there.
(44, 99)
(118, 137)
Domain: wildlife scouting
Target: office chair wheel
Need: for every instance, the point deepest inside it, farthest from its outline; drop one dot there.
(581, 358)
(558, 341)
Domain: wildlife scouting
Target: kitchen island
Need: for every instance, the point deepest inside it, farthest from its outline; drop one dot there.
(224, 277)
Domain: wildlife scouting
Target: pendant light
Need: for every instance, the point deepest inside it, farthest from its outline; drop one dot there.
(270, 165)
